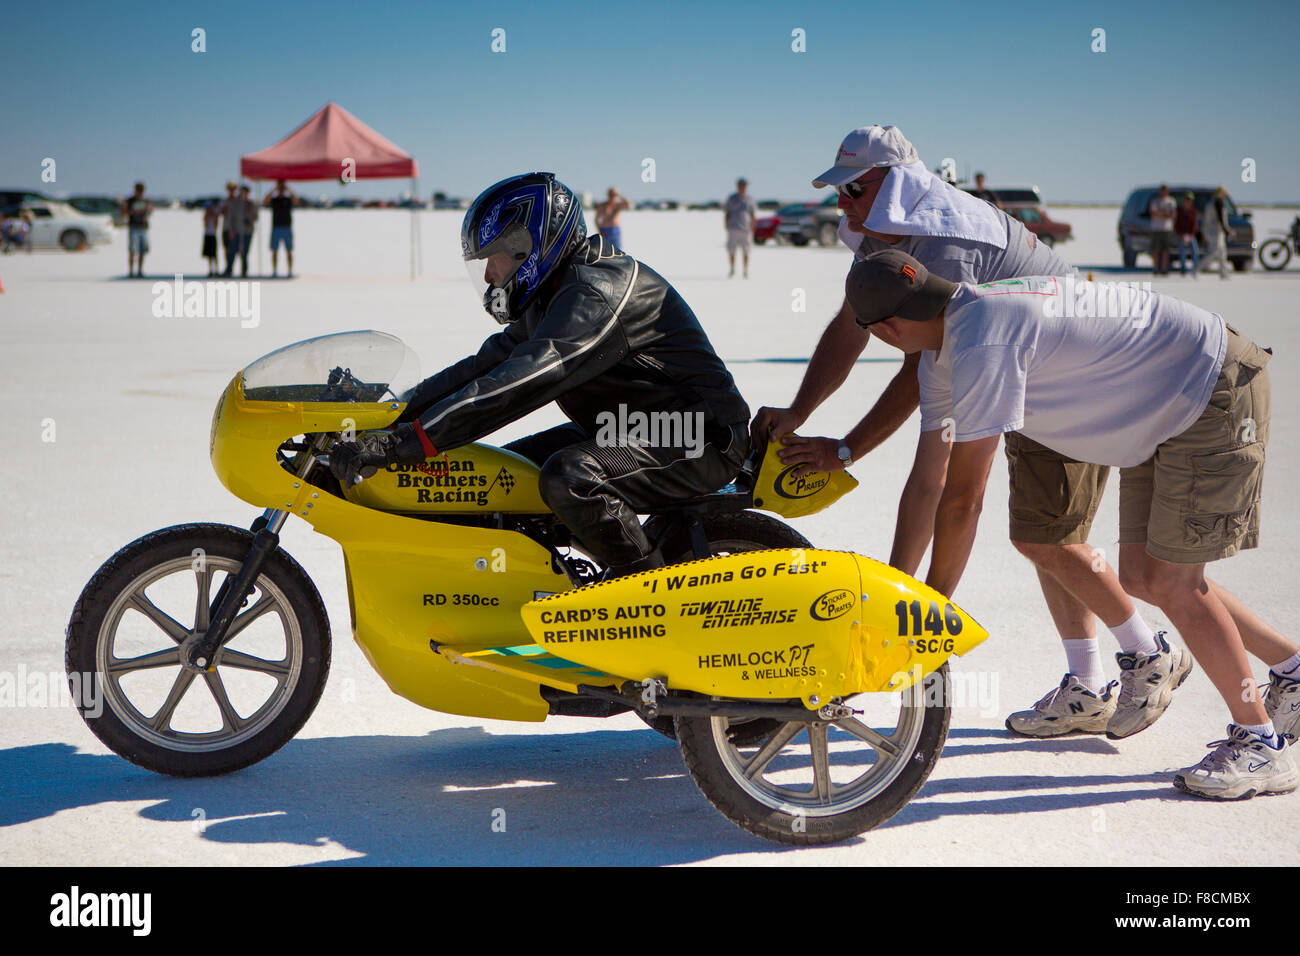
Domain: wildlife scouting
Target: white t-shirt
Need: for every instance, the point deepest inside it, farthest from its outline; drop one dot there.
(1100, 372)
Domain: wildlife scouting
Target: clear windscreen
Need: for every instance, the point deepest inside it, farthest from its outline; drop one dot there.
(346, 367)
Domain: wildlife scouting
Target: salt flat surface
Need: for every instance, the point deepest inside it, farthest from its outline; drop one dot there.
(374, 779)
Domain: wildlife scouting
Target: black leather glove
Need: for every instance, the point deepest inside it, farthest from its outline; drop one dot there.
(351, 461)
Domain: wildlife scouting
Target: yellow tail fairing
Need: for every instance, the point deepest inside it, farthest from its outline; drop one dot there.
(777, 491)
(780, 624)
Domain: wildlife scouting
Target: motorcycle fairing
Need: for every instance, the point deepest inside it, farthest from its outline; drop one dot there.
(787, 623)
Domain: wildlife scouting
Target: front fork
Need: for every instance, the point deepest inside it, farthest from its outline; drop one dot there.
(234, 591)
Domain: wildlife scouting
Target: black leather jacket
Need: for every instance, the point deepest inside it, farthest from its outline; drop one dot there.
(607, 330)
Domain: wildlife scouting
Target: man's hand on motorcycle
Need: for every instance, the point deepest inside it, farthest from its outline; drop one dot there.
(352, 461)
(771, 423)
(815, 454)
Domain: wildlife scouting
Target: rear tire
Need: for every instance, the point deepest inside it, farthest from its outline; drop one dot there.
(827, 235)
(734, 533)
(190, 558)
(72, 239)
(1241, 265)
(797, 817)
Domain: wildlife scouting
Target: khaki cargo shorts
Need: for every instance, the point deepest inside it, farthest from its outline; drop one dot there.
(739, 239)
(1197, 498)
(1053, 498)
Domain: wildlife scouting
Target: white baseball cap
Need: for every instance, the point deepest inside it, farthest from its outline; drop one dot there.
(865, 148)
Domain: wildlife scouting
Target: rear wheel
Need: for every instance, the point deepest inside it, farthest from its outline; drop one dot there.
(1047, 239)
(1241, 265)
(827, 234)
(129, 631)
(734, 533)
(72, 239)
(822, 782)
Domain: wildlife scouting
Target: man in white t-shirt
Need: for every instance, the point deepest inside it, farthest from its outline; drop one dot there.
(891, 201)
(1148, 383)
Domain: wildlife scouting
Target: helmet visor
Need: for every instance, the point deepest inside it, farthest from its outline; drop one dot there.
(493, 268)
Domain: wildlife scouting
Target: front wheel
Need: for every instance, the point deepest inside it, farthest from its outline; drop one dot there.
(1275, 254)
(821, 782)
(126, 646)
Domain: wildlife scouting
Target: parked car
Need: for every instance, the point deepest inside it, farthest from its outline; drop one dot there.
(765, 228)
(1048, 230)
(58, 224)
(10, 198)
(109, 206)
(813, 221)
(1134, 227)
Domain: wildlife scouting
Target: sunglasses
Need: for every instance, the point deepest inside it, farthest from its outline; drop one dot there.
(854, 190)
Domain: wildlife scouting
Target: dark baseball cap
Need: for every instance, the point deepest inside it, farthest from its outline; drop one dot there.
(890, 283)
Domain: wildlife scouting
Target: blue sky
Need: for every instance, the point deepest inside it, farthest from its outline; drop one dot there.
(1184, 91)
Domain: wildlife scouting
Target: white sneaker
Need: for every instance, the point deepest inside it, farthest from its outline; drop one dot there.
(1146, 686)
(1240, 767)
(1282, 704)
(1068, 708)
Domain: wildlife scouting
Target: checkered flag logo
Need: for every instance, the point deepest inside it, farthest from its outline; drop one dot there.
(505, 480)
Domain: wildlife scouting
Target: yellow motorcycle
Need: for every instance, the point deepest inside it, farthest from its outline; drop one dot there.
(808, 689)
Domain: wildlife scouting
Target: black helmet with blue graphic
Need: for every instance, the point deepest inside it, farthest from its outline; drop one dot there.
(530, 225)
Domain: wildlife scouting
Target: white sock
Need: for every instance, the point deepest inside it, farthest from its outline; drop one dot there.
(1135, 637)
(1264, 730)
(1084, 661)
(1289, 668)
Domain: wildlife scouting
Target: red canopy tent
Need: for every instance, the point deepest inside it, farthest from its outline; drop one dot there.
(333, 144)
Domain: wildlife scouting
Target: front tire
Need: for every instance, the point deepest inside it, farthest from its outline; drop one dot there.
(1275, 254)
(760, 786)
(128, 628)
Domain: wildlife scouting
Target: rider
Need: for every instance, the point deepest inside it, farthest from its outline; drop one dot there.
(593, 329)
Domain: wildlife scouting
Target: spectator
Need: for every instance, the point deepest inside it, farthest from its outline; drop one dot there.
(227, 224)
(739, 216)
(241, 217)
(1217, 230)
(211, 220)
(282, 201)
(136, 209)
(988, 195)
(1162, 210)
(17, 230)
(607, 217)
(1186, 226)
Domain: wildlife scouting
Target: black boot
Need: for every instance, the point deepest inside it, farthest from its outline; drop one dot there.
(653, 560)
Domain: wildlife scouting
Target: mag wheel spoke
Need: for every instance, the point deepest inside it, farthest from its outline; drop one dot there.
(126, 665)
(161, 721)
(203, 603)
(230, 720)
(264, 604)
(169, 625)
(773, 747)
(860, 730)
(238, 659)
(821, 763)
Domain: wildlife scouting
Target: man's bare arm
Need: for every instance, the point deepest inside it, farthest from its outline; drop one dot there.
(916, 507)
(957, 515)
